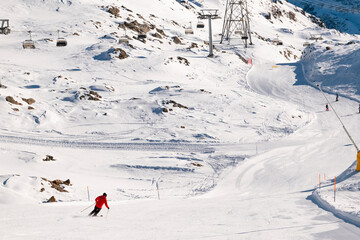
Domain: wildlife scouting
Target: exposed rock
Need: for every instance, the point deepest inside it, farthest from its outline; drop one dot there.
(317, 21)
(76, 34)
(42, 189)
(197, 164)
(135, 26)
(95, 93)
(328, 48)
(29, 100)
(276, 12)
(126, 8)
(175, 104)
(67, 182)
(161, 32)
(92, 98)
(140, 16)
(156, 35)
(176, 40)
(165, 110)
(49, 158)
(267, 15)
(114, 11)
(175, 23)
(193, 45)
(292, 16)
(52, 199)
(15, 109)
(57, 184)
(182, 59)
(30, 108)
(122, 53)
(91, 95)
(12, 100)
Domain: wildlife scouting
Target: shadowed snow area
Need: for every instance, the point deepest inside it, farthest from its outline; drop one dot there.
(185, 146)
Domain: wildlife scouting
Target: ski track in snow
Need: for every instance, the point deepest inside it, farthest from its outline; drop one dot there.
(180, 147)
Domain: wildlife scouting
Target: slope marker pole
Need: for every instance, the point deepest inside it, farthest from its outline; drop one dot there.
(334, 188)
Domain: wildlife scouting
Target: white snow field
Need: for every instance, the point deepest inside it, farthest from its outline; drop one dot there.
(235, 149)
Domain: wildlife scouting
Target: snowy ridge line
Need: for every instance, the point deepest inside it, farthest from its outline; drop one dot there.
(347, 217)
(155, 146)
(332, 6)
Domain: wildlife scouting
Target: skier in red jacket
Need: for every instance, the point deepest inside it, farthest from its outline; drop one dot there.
(100, 201)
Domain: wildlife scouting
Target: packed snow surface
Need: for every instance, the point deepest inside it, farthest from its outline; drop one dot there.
(185, 146)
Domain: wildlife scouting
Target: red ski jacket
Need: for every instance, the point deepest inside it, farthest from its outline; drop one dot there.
(100, 200)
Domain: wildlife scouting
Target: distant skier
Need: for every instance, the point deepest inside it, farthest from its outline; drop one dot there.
(327, 107)
(100, 201)
(337, 97)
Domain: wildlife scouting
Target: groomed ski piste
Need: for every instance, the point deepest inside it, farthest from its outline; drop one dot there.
(235, 149)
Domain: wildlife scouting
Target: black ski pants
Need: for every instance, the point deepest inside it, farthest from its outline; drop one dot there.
(95, 211)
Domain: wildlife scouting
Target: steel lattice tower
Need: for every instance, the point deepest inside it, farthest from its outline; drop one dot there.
(236, 20)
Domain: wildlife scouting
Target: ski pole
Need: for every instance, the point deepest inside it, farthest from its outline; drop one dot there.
(88, 207)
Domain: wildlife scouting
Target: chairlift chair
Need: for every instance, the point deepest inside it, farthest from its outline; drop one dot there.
(200, 24)
(277, 41)
(29, 44)
(244, 37)
(142, 35)
(123, 38)
(189, 30)
(4, 28)
(61, 42)
(238, 32)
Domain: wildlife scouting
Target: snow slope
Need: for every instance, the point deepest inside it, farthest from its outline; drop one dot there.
(236, 155)
(343, 15)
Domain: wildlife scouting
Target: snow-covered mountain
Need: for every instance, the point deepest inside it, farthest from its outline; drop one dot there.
(343, 15)
(133, 107)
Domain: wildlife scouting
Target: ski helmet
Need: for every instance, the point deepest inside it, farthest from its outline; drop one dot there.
(105, 194)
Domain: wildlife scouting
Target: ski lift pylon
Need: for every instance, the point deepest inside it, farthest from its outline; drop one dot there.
(4, 28)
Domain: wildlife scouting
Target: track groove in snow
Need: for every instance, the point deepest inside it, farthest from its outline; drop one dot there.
(180, 147)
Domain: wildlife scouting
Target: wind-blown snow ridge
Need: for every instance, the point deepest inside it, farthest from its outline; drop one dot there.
(182, 147)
